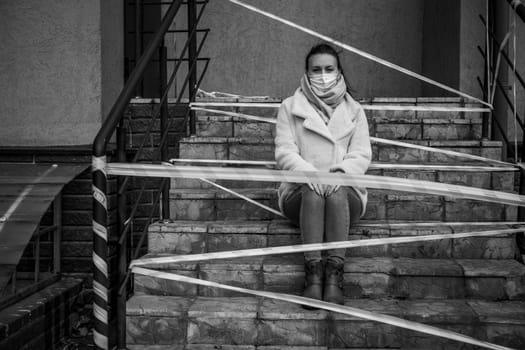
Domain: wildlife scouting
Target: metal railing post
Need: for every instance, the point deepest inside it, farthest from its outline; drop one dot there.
(123, 254)
(192, 57)
(36, 250)
(138, 41)
(501, 25)
(163, 61)
(57, 235)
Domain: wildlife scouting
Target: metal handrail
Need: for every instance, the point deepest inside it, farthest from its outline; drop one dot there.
(503, 53)
(114, 116)
(115, 122)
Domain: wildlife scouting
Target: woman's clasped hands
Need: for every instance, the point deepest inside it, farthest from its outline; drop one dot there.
(324, 190)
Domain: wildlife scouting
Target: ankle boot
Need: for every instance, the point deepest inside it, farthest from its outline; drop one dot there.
(313, 281)
(333, 282)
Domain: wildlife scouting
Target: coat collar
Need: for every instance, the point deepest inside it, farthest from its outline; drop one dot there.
(341, 123)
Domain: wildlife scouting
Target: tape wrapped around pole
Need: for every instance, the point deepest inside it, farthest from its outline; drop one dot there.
(100, 256)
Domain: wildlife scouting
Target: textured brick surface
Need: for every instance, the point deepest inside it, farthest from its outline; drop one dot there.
(252, 323)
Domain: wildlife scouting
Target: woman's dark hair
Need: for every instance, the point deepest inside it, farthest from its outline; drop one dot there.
(320, 49)
(328, 49)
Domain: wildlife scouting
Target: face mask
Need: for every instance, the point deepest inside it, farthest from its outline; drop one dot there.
(324, 81)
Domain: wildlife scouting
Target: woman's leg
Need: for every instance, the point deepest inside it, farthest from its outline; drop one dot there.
(342, 209)
(306, 209)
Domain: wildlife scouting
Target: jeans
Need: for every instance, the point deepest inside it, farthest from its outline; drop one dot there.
(323, 219)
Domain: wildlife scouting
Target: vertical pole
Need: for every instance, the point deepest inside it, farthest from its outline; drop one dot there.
(486, 81)
(13, 282)
(57, 235)
(522, 142)
(37, 254)
(163, 53)
(138, 41)
(192, 57)
(520, 237)
(123, 247)
(100, 254)
(501, 26)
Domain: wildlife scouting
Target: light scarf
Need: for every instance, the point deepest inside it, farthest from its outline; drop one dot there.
(324, 101)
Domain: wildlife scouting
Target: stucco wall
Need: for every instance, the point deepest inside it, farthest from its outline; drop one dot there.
(472, 34)
(441, 46)
(51, 63)
(254, 55)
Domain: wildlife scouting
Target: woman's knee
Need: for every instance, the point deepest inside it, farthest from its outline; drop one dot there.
(339, 197)
(310, 195)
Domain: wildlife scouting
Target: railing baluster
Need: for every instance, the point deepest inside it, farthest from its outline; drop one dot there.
(138, 40)
(36, 250)
(57, 233)
(192, 56)
(163, 89)
(101, 282)
(123, 254)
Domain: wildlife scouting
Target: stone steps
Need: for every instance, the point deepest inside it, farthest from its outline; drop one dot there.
(400, 125)
(405, 127)
(190, 237)
(473, 286)
(215, 204)
(250, 323)
(401, 278)
(235, 148)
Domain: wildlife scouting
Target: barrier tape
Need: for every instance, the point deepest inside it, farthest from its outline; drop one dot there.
(438, 150)
(498, 62)
(343, 309)
(249, 200)
(197, 106)
(377, 140)
(359, 52)
(101, 298)
(373, 166)
(441, 224)
(299, 248)
(220, 94)
(368, 181)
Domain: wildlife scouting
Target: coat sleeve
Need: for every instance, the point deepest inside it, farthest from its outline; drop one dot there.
(359, 152)
(287, 152)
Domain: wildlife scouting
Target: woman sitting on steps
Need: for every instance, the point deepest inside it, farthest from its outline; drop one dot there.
(322, 128)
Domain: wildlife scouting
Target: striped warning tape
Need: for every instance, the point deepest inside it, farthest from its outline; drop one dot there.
(377, 140)
(373, 166)
(368, 181)
(359, 52)
(343, 309)
(244, 253)
(198, 106)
